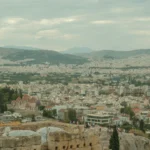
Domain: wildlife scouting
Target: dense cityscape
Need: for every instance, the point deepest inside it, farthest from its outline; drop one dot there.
(96, 95)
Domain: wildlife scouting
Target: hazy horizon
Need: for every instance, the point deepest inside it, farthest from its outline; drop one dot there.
(63, 24)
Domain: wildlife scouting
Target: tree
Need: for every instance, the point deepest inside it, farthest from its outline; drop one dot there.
(44, 113)
(47, 113)
(11, 110)
(142, 125)
(72, 115)
(33, 118)
(128, 110)
(135, 122)
(20, 93)
(41, 107)
(6, 96)
(132, 114)
(54, 112)
(124, 104)
(114, 140)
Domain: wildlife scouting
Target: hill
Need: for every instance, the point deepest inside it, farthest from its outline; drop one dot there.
(78, 50)
(112, 54)
(22, 47)
(41, 56)
(7, 51)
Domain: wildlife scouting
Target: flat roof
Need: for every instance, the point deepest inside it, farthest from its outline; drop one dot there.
(99, 115)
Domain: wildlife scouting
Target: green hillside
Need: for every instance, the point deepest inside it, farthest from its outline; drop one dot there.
(117, 54)
(41, 56)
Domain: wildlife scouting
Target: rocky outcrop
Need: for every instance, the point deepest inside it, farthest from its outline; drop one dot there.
(127, 141)
(131, 142)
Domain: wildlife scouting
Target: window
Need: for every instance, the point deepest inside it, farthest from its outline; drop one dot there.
(78, 146)
(84, 144)
(90, 144)
(71, 146)
(104, 120)
(64, 147)
(56, 148)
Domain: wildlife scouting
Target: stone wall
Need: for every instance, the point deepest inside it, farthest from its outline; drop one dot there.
(20, 143)
(66, 141)
(73, 137)
(75, 129)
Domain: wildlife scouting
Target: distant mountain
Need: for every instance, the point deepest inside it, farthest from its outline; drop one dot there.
(7, 51)
(112, 54)
(21, 47)
(41, 56)
(78, 50)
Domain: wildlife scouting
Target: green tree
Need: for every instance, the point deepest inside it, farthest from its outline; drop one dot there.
(54, 112)
(72, 115)
(44, 113)
(114, 140)
(142, 125)
(132, 114)
(135, 122)
(41, 107)
(33, 118)
(14, 96)
(11, 110)
(47, 113)
(20, 93)
(127, 110)
(124, 104)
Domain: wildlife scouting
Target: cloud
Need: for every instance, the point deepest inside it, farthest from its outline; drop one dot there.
(142, 19)
(91, 23)
(54, 34)
(141, 32)
(70, 36)
(103, 22)
(48, 34)
(56, 21)
(5, 31)
(13, 21)
(37, 29)
(125, 9)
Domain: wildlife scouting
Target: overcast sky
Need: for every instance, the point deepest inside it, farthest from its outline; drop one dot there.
(62, 24)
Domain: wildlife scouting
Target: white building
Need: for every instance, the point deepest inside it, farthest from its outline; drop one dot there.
(99, 119)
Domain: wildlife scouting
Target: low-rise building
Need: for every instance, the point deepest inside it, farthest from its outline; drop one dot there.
(98, 119)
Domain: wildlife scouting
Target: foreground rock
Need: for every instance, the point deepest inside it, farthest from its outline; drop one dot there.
(52, 135)
(131, 142)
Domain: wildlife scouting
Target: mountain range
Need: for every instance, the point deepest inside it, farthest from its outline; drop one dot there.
(37, 56)
(112, 54)
(22, 47)
(40, 56)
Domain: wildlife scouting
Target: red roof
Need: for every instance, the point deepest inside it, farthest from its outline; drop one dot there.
(25, 97)
(18, 99)
(62, 110)
(136, 110)
(48, 107)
